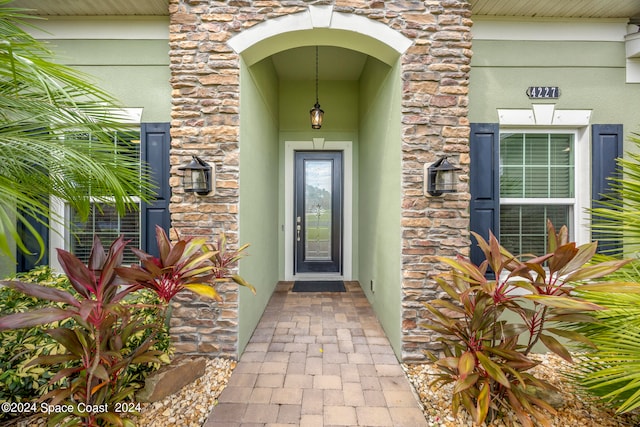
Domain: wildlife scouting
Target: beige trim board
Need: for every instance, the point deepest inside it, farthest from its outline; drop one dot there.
(347, 242)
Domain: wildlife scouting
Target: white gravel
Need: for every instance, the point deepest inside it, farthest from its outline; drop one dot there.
(191, 406)
(575, 411)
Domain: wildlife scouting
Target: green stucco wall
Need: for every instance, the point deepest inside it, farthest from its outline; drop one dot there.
(258, 192)
(591, 76)
(367, 113)
(339, 100)
(135, 72)
(379, 222)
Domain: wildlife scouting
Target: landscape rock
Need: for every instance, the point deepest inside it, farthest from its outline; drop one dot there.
(171, 378)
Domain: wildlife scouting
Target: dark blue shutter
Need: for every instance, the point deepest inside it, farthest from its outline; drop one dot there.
(26, 262)
(154, 153)
(39, 222)
(606, 147)
(484, 183)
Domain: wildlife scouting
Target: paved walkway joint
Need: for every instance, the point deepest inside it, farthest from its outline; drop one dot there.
(318, 359)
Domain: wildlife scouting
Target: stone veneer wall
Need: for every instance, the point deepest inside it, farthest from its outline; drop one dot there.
(205, 121)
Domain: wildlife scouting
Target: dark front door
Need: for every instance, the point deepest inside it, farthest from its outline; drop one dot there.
(318, 212)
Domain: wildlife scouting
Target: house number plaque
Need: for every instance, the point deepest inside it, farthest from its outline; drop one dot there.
(542, 92)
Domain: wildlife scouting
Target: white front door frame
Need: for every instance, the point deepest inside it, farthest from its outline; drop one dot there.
(347, 239)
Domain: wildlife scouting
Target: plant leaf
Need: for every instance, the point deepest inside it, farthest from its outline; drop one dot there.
(612, 287)
(524, 418)
(493, 369)
(204, 290)
(99, 385)
(564, 302)
(68, 339)
(113, 260)
(572, 335)
(571, 317)
(175, 254)
(242, 282)
(465, 383)
(111, 418)
(562, 256)
(554, 345)
(100, 372)
(467, 268)
(79, 275)
(42, 292)
(466, 363)
(514, 358)
(33, 318)
(484, 399)
(596, 271)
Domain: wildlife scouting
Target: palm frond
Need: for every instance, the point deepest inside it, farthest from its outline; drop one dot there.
(44, 107)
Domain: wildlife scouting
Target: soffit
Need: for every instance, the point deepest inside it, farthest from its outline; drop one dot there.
(334, 63)
(513, 8)
(557, 8)
(95, 7)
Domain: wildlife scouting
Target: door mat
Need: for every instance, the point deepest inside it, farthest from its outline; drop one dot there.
(319, 286)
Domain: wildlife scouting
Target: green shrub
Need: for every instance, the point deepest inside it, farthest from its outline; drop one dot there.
(147, 301)
(485, 357)
(18, 347)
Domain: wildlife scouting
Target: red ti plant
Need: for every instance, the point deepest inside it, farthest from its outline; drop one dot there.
(225, 259)
(485, 356)
(105, 323)
(95, 347)
(187, 264)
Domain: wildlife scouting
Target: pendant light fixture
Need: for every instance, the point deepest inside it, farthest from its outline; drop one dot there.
(316, 113)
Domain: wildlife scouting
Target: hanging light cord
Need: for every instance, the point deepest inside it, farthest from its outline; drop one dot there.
(316, 74)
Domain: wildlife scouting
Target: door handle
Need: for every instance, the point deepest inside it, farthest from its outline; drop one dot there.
(298, 228)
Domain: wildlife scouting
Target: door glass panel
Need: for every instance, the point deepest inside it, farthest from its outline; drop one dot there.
(317, 208)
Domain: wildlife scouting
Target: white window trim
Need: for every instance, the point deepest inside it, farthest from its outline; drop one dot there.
(60, 234)
(544, 118)
(57, 231)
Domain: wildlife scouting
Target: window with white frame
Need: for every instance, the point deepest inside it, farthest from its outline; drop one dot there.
(540, 177)
(104, 220)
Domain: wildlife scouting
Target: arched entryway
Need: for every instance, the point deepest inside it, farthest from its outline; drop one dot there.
(392, 82)
(359, 89)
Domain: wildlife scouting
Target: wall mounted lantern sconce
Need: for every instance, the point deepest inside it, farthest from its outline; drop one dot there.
(198, 176)
(441, 177)
(316, 113)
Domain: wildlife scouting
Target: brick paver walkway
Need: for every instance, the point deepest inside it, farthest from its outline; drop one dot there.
(318, 359)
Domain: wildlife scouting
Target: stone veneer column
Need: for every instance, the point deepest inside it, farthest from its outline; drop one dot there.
(434, 118)
(205, 121)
